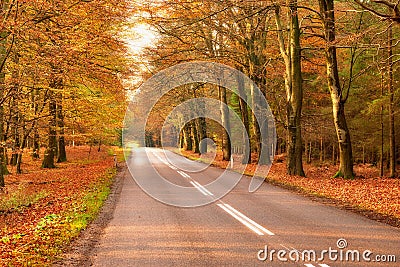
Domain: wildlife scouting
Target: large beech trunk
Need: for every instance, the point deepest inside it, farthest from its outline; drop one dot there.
(194, 135)
(245, 119)
(336, 91)
(50, 153)
(294, 88)
(187, 139)
(392, 136)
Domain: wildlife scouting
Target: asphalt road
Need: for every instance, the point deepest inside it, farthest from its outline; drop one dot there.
(271, 227)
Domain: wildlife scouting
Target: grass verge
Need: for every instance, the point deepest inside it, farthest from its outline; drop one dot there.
(55, 231)
(19, 199)
(42, 210)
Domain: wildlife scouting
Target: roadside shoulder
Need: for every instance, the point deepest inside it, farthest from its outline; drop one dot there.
(81, 249)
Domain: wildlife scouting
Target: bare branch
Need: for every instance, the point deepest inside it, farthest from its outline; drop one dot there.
(394, 7)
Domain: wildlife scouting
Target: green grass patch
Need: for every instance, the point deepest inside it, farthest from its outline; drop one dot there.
(19, 199)
(54, 232)
(119, 152)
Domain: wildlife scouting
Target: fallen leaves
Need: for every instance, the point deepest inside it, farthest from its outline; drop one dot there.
(51, 201)
(368, 192)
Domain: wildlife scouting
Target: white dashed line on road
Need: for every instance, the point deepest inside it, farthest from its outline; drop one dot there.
(183, 174)
(201, 188)
(249, 223)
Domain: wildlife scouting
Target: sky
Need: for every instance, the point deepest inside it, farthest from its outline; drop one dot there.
(141, 36)
(138, 37)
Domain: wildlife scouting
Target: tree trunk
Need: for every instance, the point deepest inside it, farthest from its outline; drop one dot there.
(25, 134)
(336, 91)
(392, 136)
(62, 154)
(307, 150)
(343, 135)
(195, 139)
(264, 155)
(187, 139)
(245, 119)
(201, 125)
(226, 142)
(3, 52)
(202, 132)
(181, 140)
(36, 145)
(36, 137)
(256, 125)
(2, 148)
(294, 88)
(321, 147)
(48, 159)
(199, 122)
(264, 149)
(15, 131)
(381, 169)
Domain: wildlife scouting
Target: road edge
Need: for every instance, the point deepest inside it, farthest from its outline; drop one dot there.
(370, 214)
(80, 250)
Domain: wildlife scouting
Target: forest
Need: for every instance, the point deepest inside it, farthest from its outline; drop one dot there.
(61, 69)
(76, 76)
(329, 70)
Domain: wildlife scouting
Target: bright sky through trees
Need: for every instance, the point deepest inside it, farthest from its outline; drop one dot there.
(139, 37)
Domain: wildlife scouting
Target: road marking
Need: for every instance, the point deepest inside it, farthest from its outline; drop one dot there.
(250, 220)
(324, 265)
(183, 174)
(203, 188)
(249, 223)
(252, 225)
(166, 162)
(172, 167)
(199, 188)
(311, 265)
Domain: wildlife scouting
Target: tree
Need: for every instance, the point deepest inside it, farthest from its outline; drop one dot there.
(61, 152)
(50, 153)
(392, 137)
(336, 91)
(291, 53)
(4, 12)
(382, 8)
(79, 39)
(226, 137)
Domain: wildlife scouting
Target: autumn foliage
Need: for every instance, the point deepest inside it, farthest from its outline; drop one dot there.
(376, 197)
(61, 70)
(329, 70)
(42, 210)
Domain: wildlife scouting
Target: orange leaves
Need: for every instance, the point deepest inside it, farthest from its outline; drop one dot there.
(380, 195)
(21, 230)
(366, 192)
